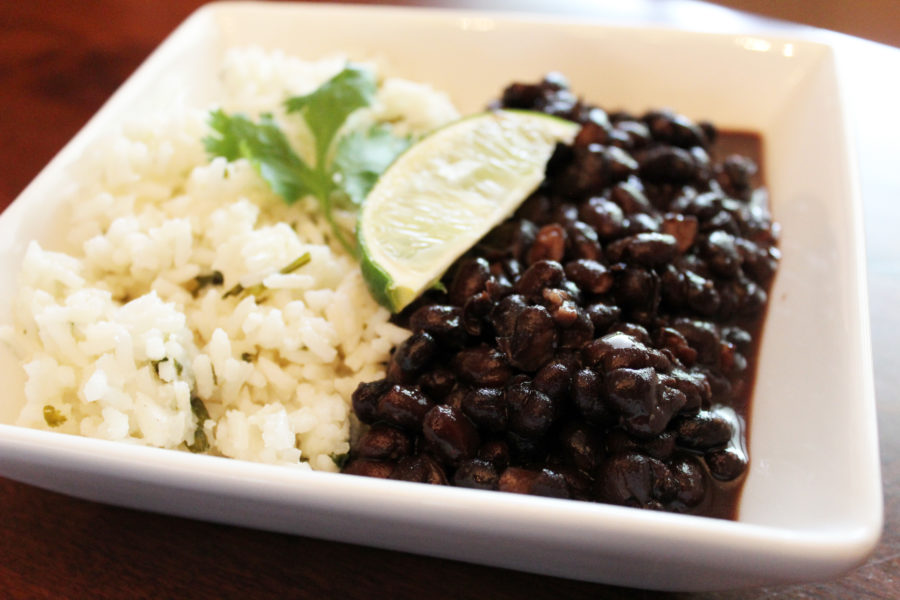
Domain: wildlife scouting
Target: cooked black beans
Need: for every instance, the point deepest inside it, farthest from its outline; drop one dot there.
(421, 469)
(476, 473)
(449, 434)
(586, 347)
(727, 464)
(403, 406)
(382, 442)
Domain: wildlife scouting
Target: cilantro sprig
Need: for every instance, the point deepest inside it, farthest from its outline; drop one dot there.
(346, 164)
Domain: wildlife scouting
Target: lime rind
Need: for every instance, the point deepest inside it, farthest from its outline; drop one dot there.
(446, 192)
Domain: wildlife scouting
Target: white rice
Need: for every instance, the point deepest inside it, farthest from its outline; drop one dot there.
(114, 344)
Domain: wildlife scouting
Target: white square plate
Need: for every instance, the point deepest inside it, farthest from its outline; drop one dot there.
(811, 507)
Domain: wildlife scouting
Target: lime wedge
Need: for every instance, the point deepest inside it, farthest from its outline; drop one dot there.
(446, 192)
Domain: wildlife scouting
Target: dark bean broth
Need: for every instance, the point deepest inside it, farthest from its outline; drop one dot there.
(601, 344)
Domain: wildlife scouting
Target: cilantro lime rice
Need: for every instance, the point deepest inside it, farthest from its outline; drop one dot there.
(193, 308)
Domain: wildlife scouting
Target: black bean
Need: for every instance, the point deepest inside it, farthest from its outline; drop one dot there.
(596, 166)
(702, 336)
(370, 468)
(579, 483)
(594, 131)
(534, 210)
(550, 483)
(668, 164)
(603, 316)
(476, 473)
(636, 134)
(683, 228)
(382, 442)
(564, 314)
(632, 479)
(645, 405)
(503, 316)
(365, 399)
(588, 396)
(646, 249)
(629, 195)
(469, 279)
(550, 244)
(522, 95)
(702, 206)
(510, 240)
(582, 446)
(533, 340)
(675, 129)
(637, 288)
(579, 333)
(641, 223)
(701, 294)
(604, 215)
(727, 464)
(495, 452)
(689, 477)
(661, 446)
(583, 242)
(449, 434)
(564, 214)
(670, 338)
(443, 322)
(709, 130)
(531, 412)
(403, 406)
(456, 396)
(483, 366)
(636, 331)
(704, 430)
(741, 338)
(517, 480)
(619, 349)
(437, 383)
(694, 385)
(731, 362)
(420, 469)
(540, 275)
(475, 312)
(721, 254)
(545, 482)
(735, 176)
(590, 276)
(410, 357)
(759, 263)
(554, 379)
(486, 407)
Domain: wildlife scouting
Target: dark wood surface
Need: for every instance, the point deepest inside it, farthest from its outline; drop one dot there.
(59, 60)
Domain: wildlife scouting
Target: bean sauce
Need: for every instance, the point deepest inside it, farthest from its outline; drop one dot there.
(599, 345)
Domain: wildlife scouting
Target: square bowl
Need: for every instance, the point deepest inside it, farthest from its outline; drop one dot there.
(811, 506)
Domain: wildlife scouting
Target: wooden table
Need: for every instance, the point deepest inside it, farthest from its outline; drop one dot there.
(59, 60)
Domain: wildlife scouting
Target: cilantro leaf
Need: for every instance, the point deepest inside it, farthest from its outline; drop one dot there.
(326, 109)
(358, 158)
(264, 145)
(361, 157)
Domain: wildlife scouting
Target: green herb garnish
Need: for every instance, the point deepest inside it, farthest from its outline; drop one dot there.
(201, 443)
(52, 416)
(259, 289)
(202, 281)
(346, 167)
(178, 366)
(296, 264)
(340, 459)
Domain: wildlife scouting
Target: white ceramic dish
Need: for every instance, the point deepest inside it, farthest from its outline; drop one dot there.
(812, 505)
